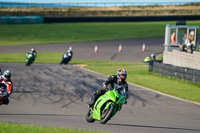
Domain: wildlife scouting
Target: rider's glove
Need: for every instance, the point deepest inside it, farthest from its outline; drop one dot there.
(104, 86)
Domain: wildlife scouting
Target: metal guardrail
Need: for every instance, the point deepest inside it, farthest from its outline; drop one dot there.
(100, 9)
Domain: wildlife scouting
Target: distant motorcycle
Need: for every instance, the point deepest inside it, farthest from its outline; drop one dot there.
(66, 58)
(3, 94)
(107, 105)
(29, 59)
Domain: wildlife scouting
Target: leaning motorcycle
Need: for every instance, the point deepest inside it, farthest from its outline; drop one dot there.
(29, 59)
(65, 59)
(3, 94)
(107, 105)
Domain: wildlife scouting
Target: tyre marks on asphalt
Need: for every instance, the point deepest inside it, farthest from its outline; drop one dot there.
(54, 84)
(55, 95)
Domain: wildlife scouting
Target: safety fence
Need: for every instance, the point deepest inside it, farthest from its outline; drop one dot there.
(99, 9)
(184, 73)
(36, 20)
(120, 19)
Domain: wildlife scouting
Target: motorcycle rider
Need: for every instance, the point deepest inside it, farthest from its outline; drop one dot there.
(32, 51)
(6, 79)
(150, 58)
(68, 54)
(119, 79)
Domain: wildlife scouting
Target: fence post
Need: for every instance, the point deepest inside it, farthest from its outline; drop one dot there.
(9, 7)
(68, 10)
(151, 65)
(26, 7)
(96, 8)
(35, 8)
(86, 9)
(77, 7)
(131, 10)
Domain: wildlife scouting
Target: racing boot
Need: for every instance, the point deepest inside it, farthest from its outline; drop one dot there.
(92, 100)
(91, 103)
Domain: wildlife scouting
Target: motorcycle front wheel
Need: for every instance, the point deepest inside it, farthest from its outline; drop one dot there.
(106, 114)
(89, 116)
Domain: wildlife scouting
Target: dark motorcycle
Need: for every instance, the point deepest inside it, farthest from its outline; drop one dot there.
(66, 58)
(3, 94)
(29, 59)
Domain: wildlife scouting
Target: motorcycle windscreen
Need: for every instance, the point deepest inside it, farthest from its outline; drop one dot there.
(120, 89)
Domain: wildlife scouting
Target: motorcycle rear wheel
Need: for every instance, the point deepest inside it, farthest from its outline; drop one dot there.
(89, 116)
(108, 114)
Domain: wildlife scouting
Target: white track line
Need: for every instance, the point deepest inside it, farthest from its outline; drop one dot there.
(146, 88)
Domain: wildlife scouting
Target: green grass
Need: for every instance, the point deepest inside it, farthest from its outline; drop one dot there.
(25, 34)
(137, 73)
(21, 128)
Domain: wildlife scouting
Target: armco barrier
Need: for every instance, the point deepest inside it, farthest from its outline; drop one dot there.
(21, 20)
(184, 73)
(120, 19)
(37, 19)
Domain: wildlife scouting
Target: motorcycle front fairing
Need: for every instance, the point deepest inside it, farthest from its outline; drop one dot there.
(116, 96)
(66, 58)
(3, 93)
(29, 57)
(108, 97)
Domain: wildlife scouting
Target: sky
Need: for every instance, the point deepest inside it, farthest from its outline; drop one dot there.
(95, 1)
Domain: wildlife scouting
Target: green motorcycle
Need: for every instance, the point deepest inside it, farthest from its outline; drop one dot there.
(29, 59)
(107, 105)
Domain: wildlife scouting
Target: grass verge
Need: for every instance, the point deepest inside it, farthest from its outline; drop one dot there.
(21, 128)
(137, 73)
(26, 34)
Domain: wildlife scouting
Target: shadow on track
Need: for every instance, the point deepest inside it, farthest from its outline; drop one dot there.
(143, 126)
(3, 114)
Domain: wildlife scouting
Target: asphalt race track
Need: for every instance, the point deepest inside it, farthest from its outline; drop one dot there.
(107, 50)
(54, 95)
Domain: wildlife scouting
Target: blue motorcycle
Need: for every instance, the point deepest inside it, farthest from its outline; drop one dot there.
(66, 58)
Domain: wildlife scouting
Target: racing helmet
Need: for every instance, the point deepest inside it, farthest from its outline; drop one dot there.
(121, 74)
(32, 49)
(7, 75)
(69, 51)
(153, 57)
